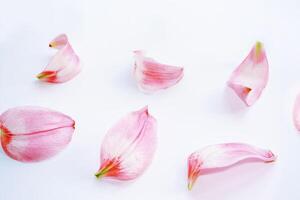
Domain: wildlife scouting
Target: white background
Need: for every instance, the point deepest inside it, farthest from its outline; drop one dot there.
(208, 38)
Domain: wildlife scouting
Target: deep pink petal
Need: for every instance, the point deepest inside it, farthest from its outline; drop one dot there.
(220, 156)
(64, 65)
(129, 146)
(152, 76)
(251, 76)
(296, 113)
(31, 134)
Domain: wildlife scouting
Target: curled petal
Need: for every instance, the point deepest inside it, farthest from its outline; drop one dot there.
(152, 76)
(251, 76)
(31, 134)
(128, 147)
(59, 42)
(296, 114)
(64, 65)
(221, 156)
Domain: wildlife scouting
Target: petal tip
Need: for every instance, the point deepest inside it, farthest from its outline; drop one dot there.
(59, 41)
(248, 104)
(270, 156)
(145, 109)
(73, 124)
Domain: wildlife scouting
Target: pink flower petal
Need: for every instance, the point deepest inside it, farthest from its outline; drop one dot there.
(221, 156)
(129, 146)
(152, 76)
(296, 113)
(59, 42)
(251, 76)
(64, 65)
(31, 134)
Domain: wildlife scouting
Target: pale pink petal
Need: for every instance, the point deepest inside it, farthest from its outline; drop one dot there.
(251, 76)
(129, 146)
(31, 134)
(296, 113)
(220, 156)
(64, 65)
(152, 76)
(59, 42)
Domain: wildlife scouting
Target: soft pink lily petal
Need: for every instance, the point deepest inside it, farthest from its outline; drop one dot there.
(152, 76)
(129, 146)
(64, 65)
(59, 42)
(31, 134)
(296, 113)
(251, 76)
(220, 156)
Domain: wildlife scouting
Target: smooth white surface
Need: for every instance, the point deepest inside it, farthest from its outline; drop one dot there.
(208, 38)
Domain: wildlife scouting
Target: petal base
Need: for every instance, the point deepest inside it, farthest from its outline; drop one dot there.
(109, 168)
(191, 183)
(101, 173)
(46, 75)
